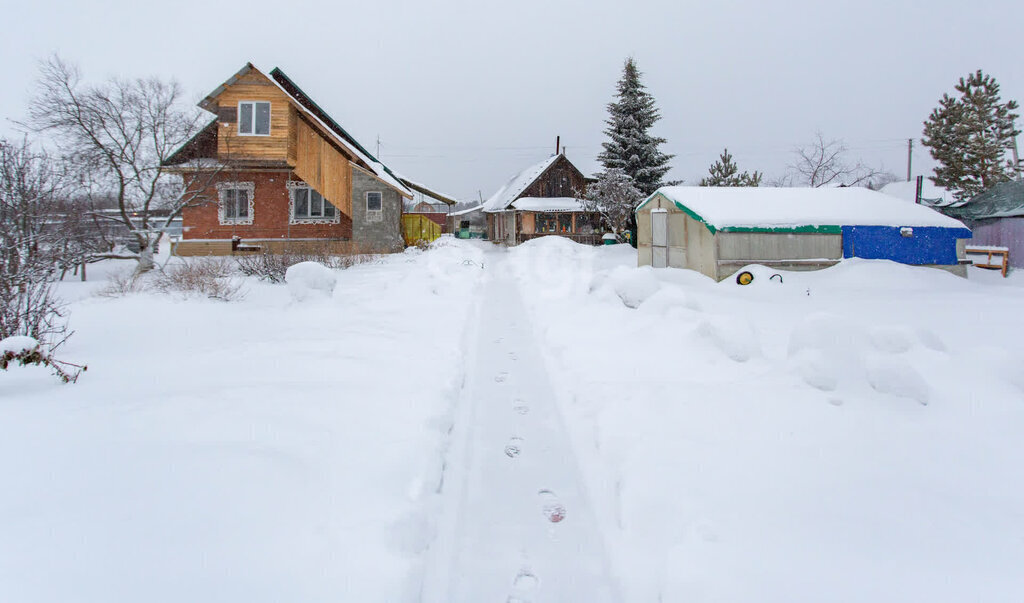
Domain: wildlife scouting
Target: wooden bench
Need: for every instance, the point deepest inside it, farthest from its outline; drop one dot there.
(990, 257)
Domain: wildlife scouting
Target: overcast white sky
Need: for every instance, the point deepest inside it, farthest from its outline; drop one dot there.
(463, 94)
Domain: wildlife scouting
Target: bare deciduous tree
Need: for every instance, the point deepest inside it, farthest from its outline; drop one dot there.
(117, 135)
(30, 244)
(825, 163)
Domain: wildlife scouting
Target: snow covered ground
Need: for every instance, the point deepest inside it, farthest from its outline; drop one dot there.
(847, 435)
(548, 423)
(260, 450)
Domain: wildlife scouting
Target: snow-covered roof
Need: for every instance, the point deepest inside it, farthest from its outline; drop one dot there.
(1004, 200)
(741, 208)
(463, 212)
(931, 194)
(505, 195)
(552, 204)
(426, 191)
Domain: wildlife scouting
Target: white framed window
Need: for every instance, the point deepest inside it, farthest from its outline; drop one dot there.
(254, 118)
(235, 204)
(374, 206)
(306, 206)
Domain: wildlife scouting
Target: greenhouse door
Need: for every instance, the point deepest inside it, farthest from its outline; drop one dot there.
(659, 238)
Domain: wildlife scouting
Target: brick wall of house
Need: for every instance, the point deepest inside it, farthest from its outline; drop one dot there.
(270, 215)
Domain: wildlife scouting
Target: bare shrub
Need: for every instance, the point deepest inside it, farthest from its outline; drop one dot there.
(123, 283)
(271, 267)
(207, 277)
(264, 265)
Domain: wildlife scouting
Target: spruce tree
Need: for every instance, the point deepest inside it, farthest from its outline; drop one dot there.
(724, 172)
(969, 136)
(632, 148)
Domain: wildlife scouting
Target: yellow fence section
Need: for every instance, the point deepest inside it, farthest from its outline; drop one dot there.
(416, 228)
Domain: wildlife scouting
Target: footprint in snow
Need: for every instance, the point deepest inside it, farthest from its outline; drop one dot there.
(552, 508)
(502, 376)
(521, 407)
(514, 447)
(513, 356)
(524, 587)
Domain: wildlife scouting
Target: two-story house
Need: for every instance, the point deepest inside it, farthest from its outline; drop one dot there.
(285, 176)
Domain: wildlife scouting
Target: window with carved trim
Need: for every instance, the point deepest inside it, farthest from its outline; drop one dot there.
(235, 202)
(307, 205)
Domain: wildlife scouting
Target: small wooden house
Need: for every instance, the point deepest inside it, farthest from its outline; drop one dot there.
(543, 199)
(284, 175)
(718, 230)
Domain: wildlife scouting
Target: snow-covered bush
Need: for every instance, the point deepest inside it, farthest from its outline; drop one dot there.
(308, 280)
(735, 337)
(896, 376)
(26, 350)
(633, 285)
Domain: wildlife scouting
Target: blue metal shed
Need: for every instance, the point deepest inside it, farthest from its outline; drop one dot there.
(917, 245)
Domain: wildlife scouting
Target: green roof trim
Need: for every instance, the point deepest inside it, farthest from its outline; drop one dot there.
(820, 229)
(824, 229)
(682, 208)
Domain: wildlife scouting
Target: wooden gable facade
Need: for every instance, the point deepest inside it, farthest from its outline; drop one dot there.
(287, 176)
(561, 179)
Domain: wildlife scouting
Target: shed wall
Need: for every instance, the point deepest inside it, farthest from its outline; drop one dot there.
(1002, 232)
(928, 245)
(760, 246)
(677, 229)
(700, 248)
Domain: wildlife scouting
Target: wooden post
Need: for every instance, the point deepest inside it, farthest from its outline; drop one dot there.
(910, 153)
(920, 185)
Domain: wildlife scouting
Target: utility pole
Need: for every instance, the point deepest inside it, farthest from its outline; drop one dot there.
(910, 155)
(1016, 160)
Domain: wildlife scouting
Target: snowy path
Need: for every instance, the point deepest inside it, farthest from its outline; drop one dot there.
(519, 527)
